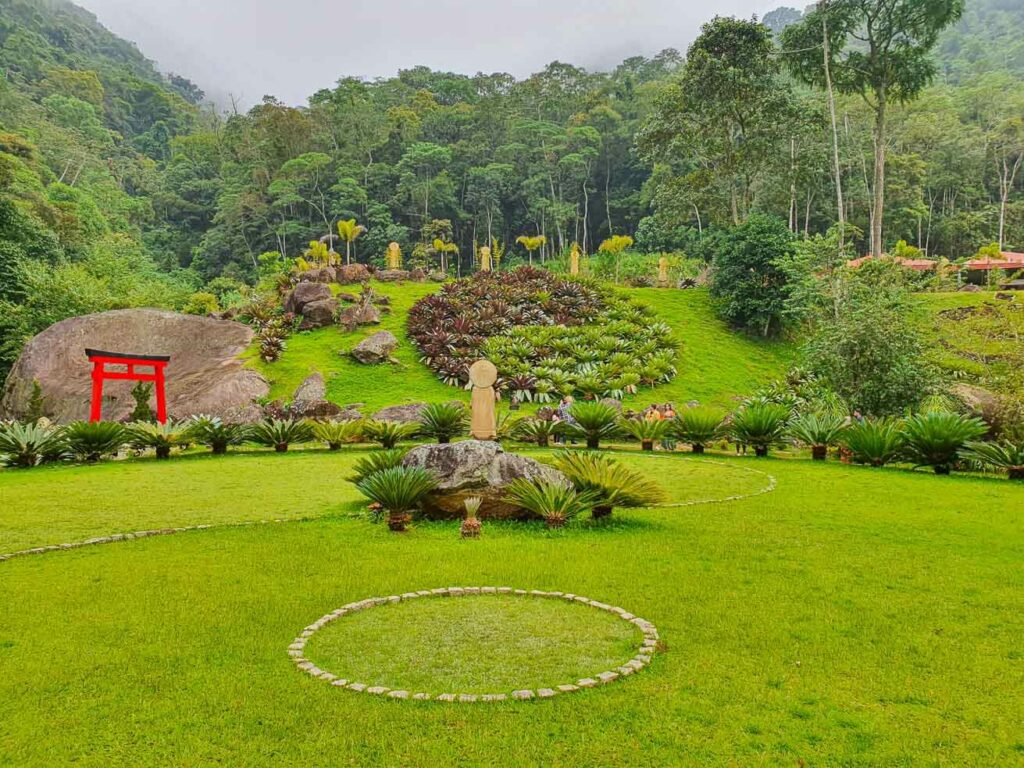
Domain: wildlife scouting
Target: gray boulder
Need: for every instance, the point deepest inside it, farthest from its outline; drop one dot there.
(312, 388)
(318, 314)
(306, 293)
(360, 314)
(376, 349)
(401, 413)
(475, 468)
(204, 376)
(393, 275)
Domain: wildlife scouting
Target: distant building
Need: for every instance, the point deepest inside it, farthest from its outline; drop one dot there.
(918, 265)
(978, 270)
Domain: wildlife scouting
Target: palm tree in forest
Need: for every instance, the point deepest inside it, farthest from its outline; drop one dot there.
(442, 248)
(532, 243)
(349, 231)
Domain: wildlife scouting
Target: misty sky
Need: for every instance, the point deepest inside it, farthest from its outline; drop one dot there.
(290, 48)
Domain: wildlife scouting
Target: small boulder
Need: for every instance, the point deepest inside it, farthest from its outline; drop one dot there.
(360, 314)
(376, 349)
(401, 413)
(318, 314)
(312, 388)
(393, 275)
(343, 296)
(306, 293)
(418, 275)
(476, 468)
(352, 273)
(970, 288)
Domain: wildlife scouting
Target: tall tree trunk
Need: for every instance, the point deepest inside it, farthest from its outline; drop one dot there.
(876, 223)
(837, 168)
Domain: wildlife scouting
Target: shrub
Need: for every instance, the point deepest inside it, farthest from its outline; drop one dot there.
(141, 393)
(935, 439)
(606, 482)
(647, 431)
(819, 431)
(874, 441)
(698, 427)
(92, 440)
(591, 421)
(161, 437)
(1006, 456)
(398, 490)
(280, 433)
(337, 433)
(760, 425)
(535, 430)
(212, 432)
(26, 445)
(555, 502)
(376, 462)
(390, 433)
(443, 421)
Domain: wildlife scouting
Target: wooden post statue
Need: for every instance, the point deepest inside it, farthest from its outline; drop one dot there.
(483, 425)
(394, 256)
(485, 259)
(574, 259)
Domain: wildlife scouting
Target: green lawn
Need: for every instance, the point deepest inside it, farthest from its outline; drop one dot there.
(851, 617)
(477, 645)
(716, 364)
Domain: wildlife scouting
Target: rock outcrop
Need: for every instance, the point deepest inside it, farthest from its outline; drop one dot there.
(474, 468)
(376, 349)
(203, 376)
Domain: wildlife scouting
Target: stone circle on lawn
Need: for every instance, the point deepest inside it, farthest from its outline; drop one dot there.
(641, 659)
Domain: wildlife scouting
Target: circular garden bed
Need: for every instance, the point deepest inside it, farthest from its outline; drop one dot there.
(489, 644)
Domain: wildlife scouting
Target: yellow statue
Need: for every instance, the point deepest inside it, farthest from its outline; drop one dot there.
(574, 259)
(663, 272)
(394, 256)
(485, 259)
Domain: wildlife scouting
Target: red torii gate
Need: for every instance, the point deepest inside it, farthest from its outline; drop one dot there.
(100, 360)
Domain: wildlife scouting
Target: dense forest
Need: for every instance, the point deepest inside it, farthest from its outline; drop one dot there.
(120, 187)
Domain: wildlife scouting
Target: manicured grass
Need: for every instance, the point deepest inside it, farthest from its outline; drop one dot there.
(974, 347)
(850, 617)
(716, 364)
(485, 644)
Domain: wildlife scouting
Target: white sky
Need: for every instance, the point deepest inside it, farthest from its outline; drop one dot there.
(291, 48)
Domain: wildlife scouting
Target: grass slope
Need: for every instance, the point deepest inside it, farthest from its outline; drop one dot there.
(851, 617)
(716, 364)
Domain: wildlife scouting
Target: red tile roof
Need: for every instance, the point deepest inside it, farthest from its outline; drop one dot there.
(918, 265)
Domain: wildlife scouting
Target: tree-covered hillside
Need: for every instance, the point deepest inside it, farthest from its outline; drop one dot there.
(117, 188)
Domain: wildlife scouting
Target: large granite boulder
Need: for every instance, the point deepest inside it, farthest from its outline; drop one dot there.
(203, 376)
(393, 275)
(352, 273)
(376, 349)
(475, 468)
(363, 313)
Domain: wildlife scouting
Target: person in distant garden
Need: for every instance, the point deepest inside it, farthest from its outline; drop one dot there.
(563, 415)
(668, 413)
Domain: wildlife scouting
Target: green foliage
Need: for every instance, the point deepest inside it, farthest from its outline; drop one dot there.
(935, 439)
(760, 425)
(337, 433)
(280, 433)
(591, 421)
(389, 433)
(443, 421)
(535, 430)
(698, 427)
(26, 445)
(554, 502)
(141, 393)
(606, 482)
(201, 303)
(647, 431)
(377, 462)
(1006, 456)
(214, 433)
(874, 441)
(398, 489)
(747, 283)
(91, 441)
(819, 431)
(160, 437)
